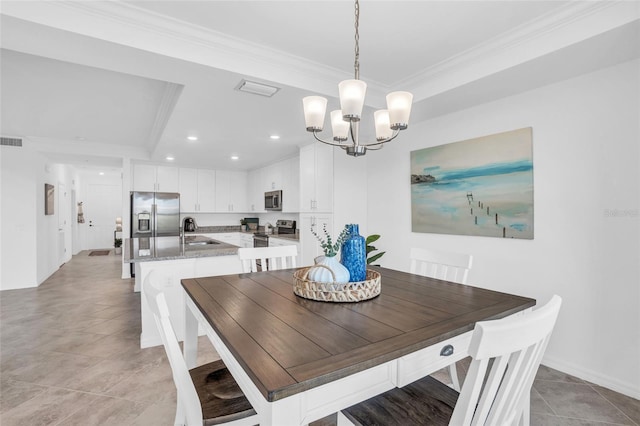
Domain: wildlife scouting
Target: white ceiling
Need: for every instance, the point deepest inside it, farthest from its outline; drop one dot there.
(93, 82)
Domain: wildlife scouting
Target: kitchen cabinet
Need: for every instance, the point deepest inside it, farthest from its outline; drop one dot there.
(273, 177)
(283, 175)
(316, 178)
(197, 190)
(309, 246)
(246, 239)
(280, 242)
(231, 191)
(255, 191)
(152, 178)
(290, 170)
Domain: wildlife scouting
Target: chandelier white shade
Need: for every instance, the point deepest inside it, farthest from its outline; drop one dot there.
(352, 94)
(345, 122)
(399, 106)
(315, 108)
(339, 126)
(383, 125)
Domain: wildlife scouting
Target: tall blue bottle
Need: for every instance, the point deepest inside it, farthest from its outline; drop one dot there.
(354, 254)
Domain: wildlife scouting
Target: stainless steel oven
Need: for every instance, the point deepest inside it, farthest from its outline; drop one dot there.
(260, 240)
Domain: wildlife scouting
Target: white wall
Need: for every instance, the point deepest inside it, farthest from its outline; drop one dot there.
(18, 221)
(50, 250)
(350, 191)
(587, 234)
(31, 249)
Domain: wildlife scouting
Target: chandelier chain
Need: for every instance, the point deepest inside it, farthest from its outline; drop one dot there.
(357, 38)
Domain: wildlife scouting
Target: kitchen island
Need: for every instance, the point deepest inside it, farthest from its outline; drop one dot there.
(175, 259)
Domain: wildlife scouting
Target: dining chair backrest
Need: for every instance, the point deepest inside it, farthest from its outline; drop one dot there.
(510, 350)
(271, 258)
(188, 399)
(441, 265)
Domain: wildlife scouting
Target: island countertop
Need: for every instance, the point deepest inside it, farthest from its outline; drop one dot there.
(171, 248)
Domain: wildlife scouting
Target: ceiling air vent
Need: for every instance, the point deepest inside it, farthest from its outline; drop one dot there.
(257, 88)
(10, 141)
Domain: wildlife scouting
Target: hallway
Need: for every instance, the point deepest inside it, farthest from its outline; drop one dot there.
(69, 355)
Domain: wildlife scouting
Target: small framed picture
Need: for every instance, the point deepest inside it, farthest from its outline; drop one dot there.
(49, 199)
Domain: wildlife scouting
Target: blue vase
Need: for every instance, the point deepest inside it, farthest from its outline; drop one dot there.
(354, 254)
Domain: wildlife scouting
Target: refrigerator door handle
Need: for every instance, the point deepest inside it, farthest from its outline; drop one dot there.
(154, 218)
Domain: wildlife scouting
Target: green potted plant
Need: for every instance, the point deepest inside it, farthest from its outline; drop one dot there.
(243, 225)
(117, 243)
(370, 248)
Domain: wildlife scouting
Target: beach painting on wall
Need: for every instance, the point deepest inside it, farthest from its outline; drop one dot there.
(481, 186)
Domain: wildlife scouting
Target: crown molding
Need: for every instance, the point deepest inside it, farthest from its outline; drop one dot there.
(570, 24)
(139, 28)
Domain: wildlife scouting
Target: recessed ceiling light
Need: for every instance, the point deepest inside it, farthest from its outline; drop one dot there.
(257, 88)
(192, 138)
(101, 173)
(274, 137)
(235, 157)
(170, 158)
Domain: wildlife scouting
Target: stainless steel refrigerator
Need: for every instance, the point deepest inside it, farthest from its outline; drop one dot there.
(155, 214)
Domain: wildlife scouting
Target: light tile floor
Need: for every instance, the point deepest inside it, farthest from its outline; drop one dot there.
(69, 355)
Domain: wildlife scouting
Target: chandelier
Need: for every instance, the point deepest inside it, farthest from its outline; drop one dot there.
(345, 122)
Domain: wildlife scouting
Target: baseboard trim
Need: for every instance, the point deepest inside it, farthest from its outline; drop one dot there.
(625, 388)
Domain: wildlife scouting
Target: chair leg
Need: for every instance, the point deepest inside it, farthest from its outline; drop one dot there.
(453, 373)
(181, 415)
(526, 412)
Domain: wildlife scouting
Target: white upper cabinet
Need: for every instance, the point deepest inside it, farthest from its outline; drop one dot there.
(188, 190)
(291, 185)
(310, 247)
(255, 191)
(152, 178)
(316, 178)
(206, 190)
(283, 175)
(197, 190)
(231, 191)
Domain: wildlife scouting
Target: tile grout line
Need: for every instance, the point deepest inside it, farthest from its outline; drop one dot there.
(543, 400)
(614, 405)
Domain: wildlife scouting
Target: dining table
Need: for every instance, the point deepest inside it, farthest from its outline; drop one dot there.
(298, 360)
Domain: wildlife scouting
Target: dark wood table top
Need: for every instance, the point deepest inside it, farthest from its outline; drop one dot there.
(288, 344)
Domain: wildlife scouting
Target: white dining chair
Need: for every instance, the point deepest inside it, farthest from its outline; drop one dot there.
(442, 265)
(269, 258)
(506, 354)
(207, 394)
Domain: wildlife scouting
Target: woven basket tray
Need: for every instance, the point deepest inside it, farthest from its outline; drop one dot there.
(334, 292)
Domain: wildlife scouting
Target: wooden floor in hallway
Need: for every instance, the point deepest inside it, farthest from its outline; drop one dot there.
(70, 355)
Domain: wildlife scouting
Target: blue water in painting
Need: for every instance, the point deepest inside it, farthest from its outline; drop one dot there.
(466, 201)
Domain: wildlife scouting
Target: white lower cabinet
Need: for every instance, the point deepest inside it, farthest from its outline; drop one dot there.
(280, 242)
(247, 240)
(309, 245)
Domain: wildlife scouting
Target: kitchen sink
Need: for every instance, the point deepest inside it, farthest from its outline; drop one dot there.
(201, 243)
(198, 240)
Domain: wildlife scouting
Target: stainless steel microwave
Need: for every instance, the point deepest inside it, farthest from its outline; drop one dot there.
(273, 200)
